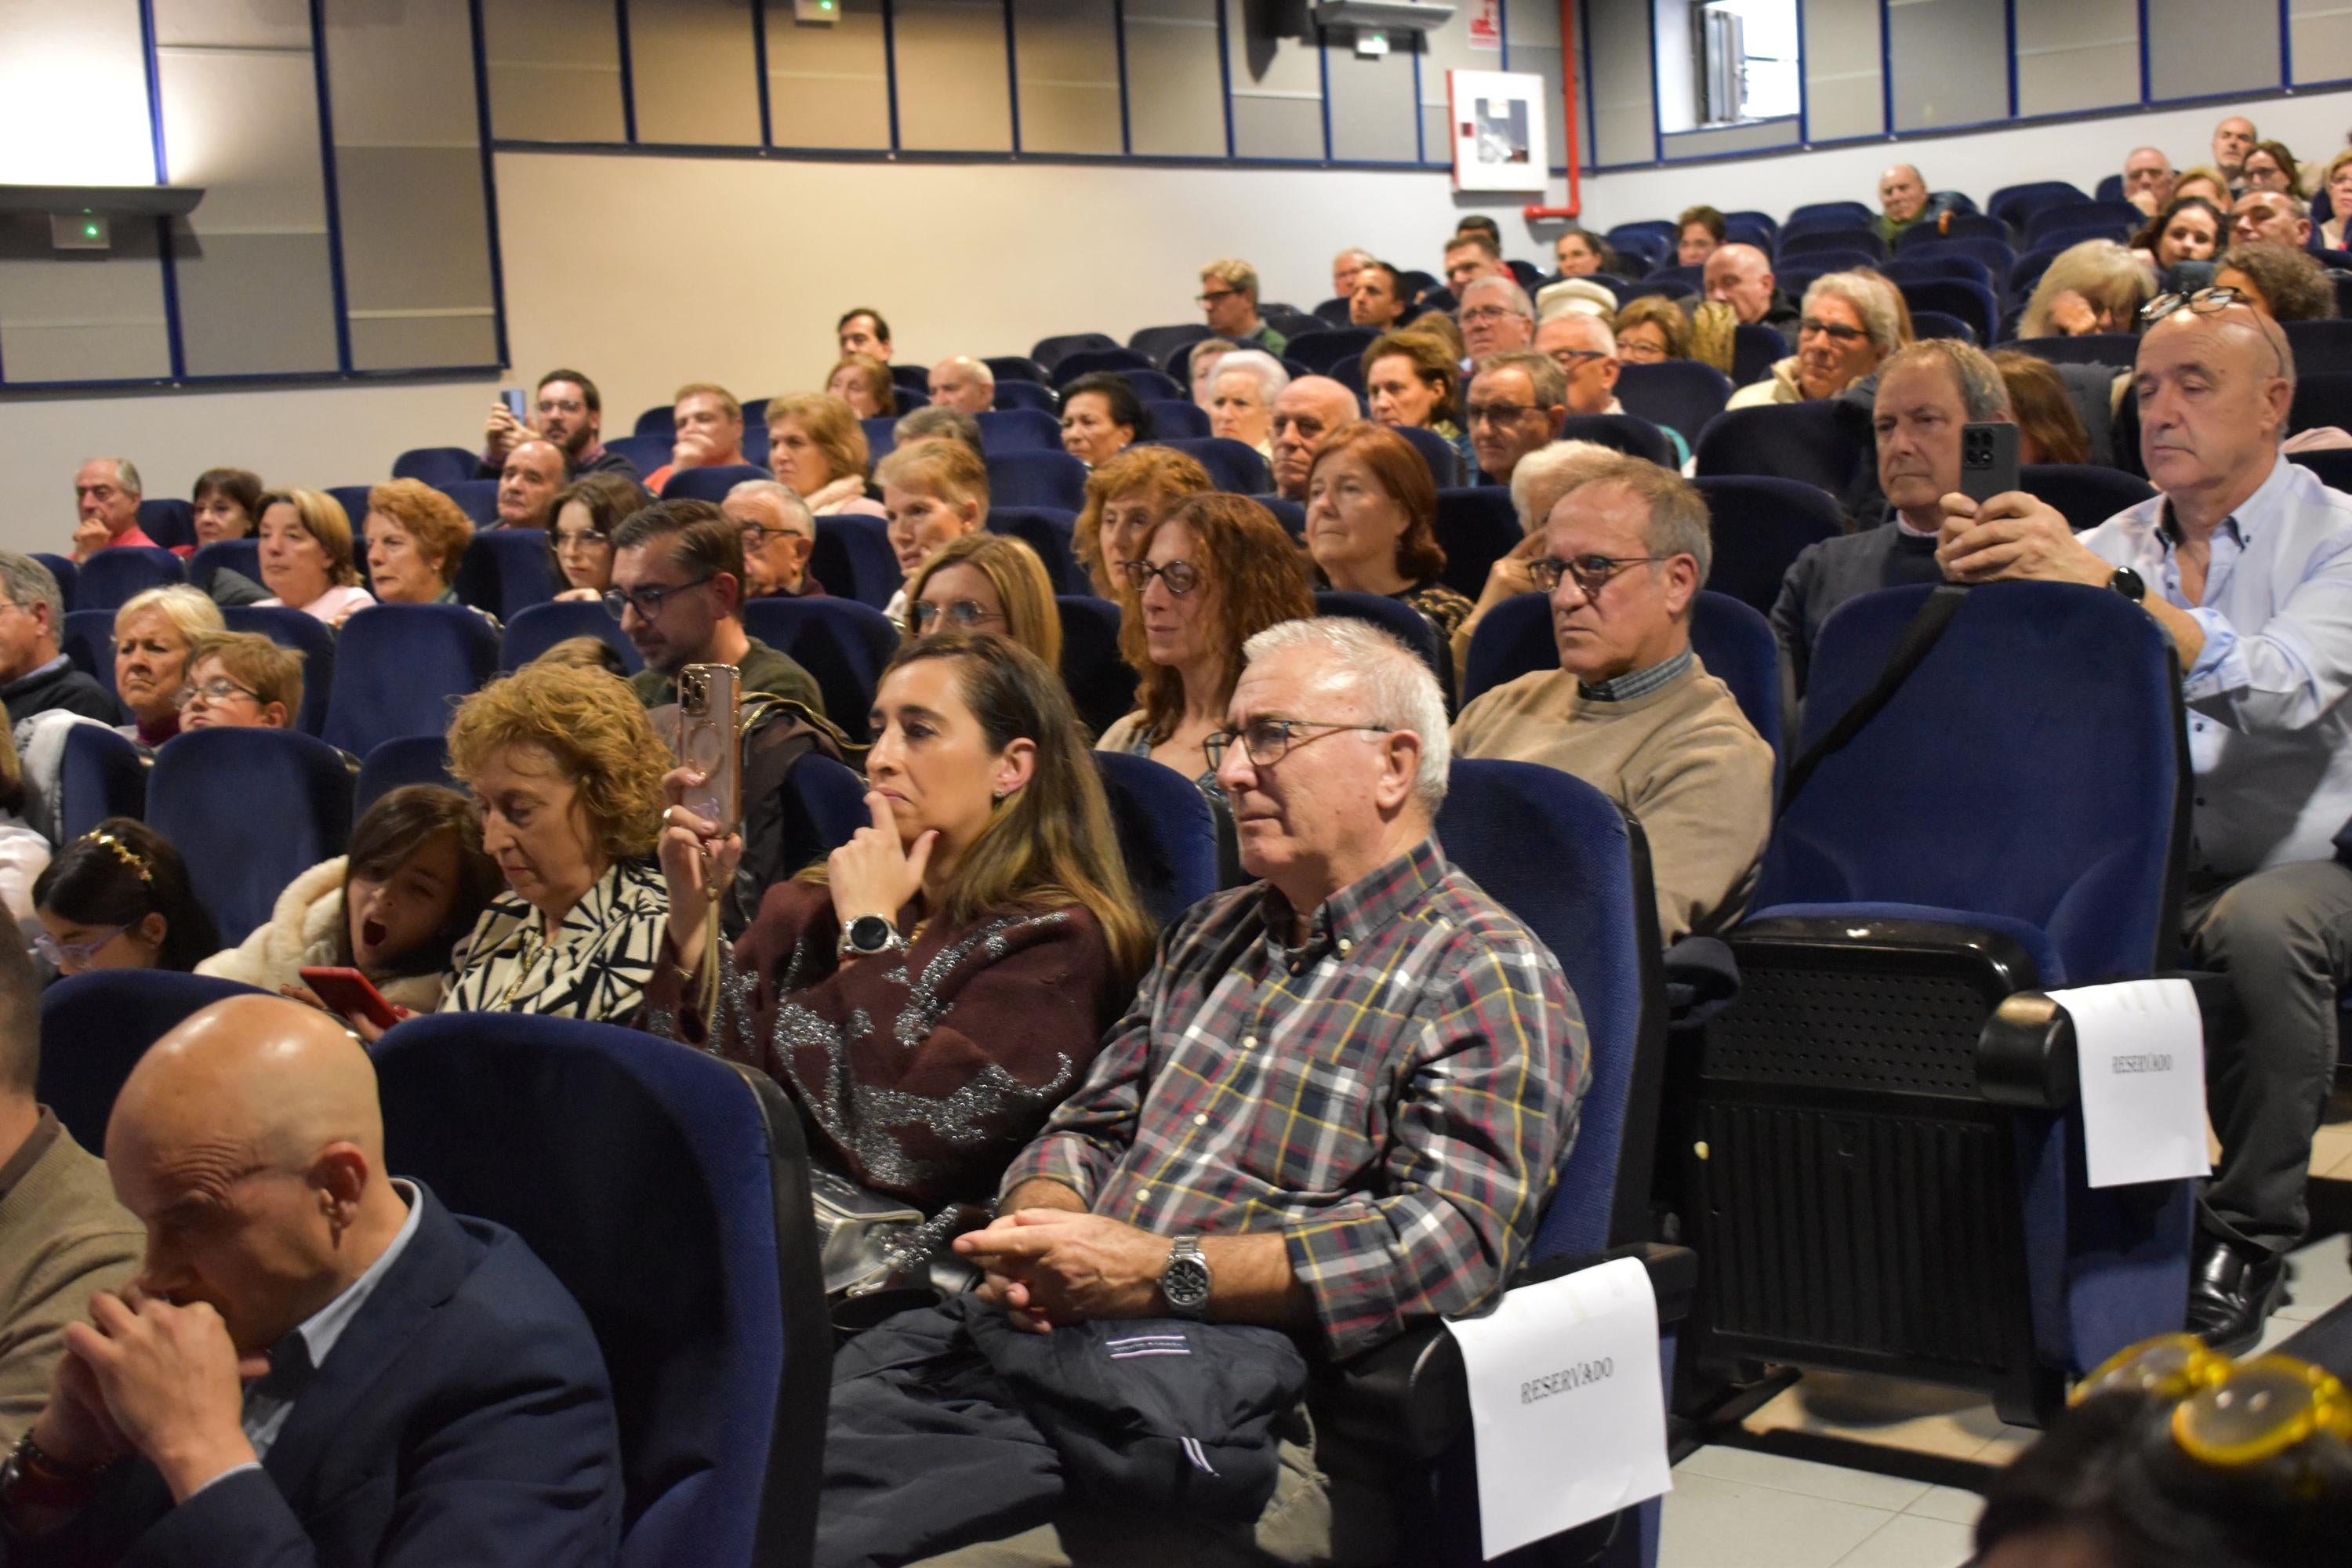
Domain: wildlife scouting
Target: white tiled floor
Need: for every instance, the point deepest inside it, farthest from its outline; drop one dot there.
(1736, 1508)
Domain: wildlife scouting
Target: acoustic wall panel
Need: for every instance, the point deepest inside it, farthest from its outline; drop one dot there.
(85, 317)
(1624, 113)
(1447, 50)
(2196, 51)
(1843, 95)
(828, 86)
(1372, 107)
(1065, 55)
(1278, 79)
(693, 67)
(953, 93)
(1951, 62)
(2080, 55)
(1175, 79)
(2319, 33)
(555, 70)
(1534, 45)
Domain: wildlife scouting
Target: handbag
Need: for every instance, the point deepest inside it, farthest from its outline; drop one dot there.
(866, 1239)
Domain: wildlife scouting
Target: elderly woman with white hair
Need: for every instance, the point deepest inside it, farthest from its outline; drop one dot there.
(1851, 321)
(2097, 286)
(1241, 398)
(1540, 478)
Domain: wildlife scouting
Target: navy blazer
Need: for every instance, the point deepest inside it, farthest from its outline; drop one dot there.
(464, 1416)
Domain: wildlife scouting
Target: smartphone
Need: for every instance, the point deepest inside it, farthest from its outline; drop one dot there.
(707, 698)
(518, 404)
(350, 992)
(1987, 459)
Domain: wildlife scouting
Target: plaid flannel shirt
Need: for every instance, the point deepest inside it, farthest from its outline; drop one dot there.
(1395, 1096)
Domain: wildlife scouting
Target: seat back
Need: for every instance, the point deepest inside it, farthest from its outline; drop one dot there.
(1680, 394)
(1918, 265)
(63, 570)
(112, 575)
(477, 498)
(825, 805)
(99, 774)
(1445, 463)
(2118, 349)
(290, 628)
(1179, 419)
(1396, 618)
(2016, 204)
(1015, 393)
(1634, 438)
(1037, 479)
(2320, 400)
(2320, 347)
(854, 560)
(2058, 813)
(410, 760)
(1735, 643)
(400, 670)
(1167, 833)
(2048, 224)
(1326, 348)
(1936, 324)
(647, 451)
(1475, 528)
(1019, 430)
(1046, 532)
(1972, 303)
(168, 521)
(1102, 685)
(1017, 367)
(1851, 247)
(506, 571)
(1086, 361)
(249, 810)
(1759, 528)
(668, 1190)
(841, 643)
(1514, 638)
(538, 627)
(1813, 443)
(88, 638)
(438, 466)
(1575, 870)
(1233, 467)
(242, 556)
(2334, 467)
(96, 1027)
(1836, 215)
(1156, 343)
(712, 483)
(1755, 350)
(2087, 493)
(881, 436)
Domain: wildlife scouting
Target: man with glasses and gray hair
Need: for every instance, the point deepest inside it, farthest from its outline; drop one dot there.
(107, 491)
(1495, 317)
(1400, 1058)
(35, 677)
(778, 533)
(1631, 711)
(677, 592)
(1517, 404)
(2244, 559)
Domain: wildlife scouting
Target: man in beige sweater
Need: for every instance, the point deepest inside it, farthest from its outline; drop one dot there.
(1631, 711)
(62, 1235)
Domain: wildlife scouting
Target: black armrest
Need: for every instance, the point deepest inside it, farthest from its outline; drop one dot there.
(2025, 1054)
(1409, 1397)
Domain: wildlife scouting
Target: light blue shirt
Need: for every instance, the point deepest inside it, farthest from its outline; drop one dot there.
(2270, 736)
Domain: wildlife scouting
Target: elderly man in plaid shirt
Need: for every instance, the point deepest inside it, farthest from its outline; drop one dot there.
(1340, 1098)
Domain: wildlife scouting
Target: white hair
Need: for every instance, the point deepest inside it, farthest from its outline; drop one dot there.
(1548, 473)
(1515, 298)
(1599, 333)
(1271, 377)
(797, 516)
(1394, 682)
(978, 367)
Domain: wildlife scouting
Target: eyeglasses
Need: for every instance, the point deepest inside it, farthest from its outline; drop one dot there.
(2227, 1412)
(648, 601)
(1182, 576)
(220, 689)
(1836, 331)
(1213, 298)
(60, 954)
(2203, 302)
(1266, 741)
(579, 539)
(1564, 358)
(1591, 573)
(1485, 313)
(754, 536)
(1499, 412)
(962, 613)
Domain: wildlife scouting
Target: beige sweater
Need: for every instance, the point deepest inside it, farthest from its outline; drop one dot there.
(1684, 759)
(302, 931)
(62, 1236)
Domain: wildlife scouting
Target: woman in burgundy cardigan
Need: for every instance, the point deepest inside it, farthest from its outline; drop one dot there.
(933, 989)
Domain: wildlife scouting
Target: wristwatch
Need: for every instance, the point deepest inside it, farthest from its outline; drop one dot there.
(2126, 581)
(31, 1479)
(1185, 1282)
(868, 935)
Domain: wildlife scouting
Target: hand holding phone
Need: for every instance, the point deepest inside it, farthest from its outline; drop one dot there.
(517, 404)
(1987, 459)
(348, 992)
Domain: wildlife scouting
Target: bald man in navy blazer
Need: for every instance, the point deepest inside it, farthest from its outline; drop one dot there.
(317, 1364)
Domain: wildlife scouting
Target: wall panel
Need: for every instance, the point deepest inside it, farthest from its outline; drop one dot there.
(1278, 79)
(1175, 79)
(692, 64)
(954, 95)
(1066, 61)
(2320, 32)
(555, 70)
(1843, 83)
(828, 87)
(1951, 62)
(2080, 55)
(2189, 57)
(1624, 127)
(1372, 106)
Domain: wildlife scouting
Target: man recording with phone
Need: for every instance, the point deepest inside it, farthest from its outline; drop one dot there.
(1927, 393)
(565, 411)
(2245, 560)
(677, 592)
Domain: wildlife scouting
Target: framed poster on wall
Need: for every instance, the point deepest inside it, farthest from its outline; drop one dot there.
(1500, 130)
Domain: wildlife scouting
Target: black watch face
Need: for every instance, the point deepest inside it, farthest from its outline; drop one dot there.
(869, 933)
(1186, 1282)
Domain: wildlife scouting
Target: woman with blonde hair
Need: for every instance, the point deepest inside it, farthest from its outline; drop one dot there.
(154, 634)
(2337, 180)
(864, 383)
(932, 493)
(1125, 495)
(2097, 286)
(816, 445)
(987, 583)
(990, 871)
(306, 556)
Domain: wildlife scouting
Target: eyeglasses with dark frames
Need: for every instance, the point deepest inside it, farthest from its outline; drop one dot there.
(220, 689)
(647, 601)
(1590, 573)
(2199, 302)
(1266, 741)
(1836, 331)
(959, 614)
(1181, 576)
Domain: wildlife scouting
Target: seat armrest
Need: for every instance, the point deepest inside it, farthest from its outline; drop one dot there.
(2025, 1053)
(1409, 1397)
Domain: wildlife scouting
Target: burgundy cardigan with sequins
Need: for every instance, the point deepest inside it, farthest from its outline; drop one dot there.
(919, 1074)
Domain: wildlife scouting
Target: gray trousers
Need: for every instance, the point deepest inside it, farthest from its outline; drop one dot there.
(2284, 938)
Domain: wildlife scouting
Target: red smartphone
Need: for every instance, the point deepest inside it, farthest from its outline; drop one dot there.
(348, 992)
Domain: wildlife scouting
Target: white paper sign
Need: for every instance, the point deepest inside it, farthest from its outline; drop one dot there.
(1566, 1406)
(2140, 1047)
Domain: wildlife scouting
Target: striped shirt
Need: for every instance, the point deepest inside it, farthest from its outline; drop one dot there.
(1394, 1096)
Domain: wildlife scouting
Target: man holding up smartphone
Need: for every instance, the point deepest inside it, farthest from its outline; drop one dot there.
(2245, 560)
(568, 412)
(677, 592)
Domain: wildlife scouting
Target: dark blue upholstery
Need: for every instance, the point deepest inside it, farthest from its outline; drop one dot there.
(648, 451)
(119, 572)
(506, 569)
(1936, 324)
(1735, 643)
(825, 805)
(1653, 238)
(906, 377)
(854, 560)
(1325, 349)
(400, 670)
(1156, 343)
(1444, 459)
(841, 643)
(1019, 367)
(1036, 478)
(1755, 350)
(2118, 349)
(1291, 514)
(668, 1190)
(1971, 227)
(289, 628)
(1010, 393)
(1177, 419)
(2320, 400)
(710, 484)
(659, 420)
(1400, 620)
(1920, 263)
(881, 437)
(1233, 467)
(1972, 303)
(1842, 215)
(2047, 225)
(2333, 466)
(96, 1027)
(2016, 204)
(1681, 393)
(1560, 856)
(1760, 526)
(1047, 532)
(2088, 493)
(2320, 347)
(1086, 361)
(1845, 244)
(410, 760)
(63, 569)
(1680, 279)
(242, 556)
(99, 774)
(535, 630)
(1020, 430)
(1476, 527)
(1514, 638)
(477, 498)
(249, 810)
(1101, 684)
(168, 521)
(88, 638)
(438, 466)
(1635, 437)
(1815, 443)
(1167, 833)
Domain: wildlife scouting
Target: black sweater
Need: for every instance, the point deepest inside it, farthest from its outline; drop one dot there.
(1829, 574)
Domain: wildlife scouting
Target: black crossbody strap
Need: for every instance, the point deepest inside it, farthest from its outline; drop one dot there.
(1926, 629)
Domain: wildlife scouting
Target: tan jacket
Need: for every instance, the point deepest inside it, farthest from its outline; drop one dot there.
(302, 931)
(62, 1236)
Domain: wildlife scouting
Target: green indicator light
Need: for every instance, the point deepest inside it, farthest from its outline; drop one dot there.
(90, 231)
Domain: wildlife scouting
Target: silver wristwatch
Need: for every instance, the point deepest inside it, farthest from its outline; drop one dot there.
(1185, 1282)
(868, 935)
